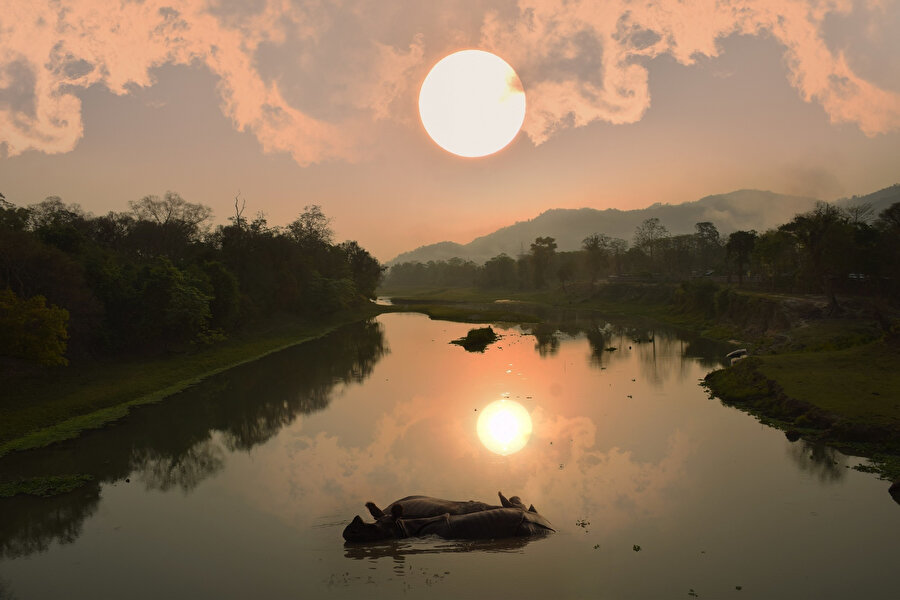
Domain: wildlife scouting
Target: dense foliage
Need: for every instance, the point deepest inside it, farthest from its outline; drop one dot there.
(159, 278)
(827, 250)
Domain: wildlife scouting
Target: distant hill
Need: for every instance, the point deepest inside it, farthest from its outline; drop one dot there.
(743, 209)
(879, 200)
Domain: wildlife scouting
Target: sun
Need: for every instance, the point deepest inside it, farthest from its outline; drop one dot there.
(504, 427)
(472, 103)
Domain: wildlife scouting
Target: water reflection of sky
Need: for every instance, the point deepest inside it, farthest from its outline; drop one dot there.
(259, 470)
(411, 429)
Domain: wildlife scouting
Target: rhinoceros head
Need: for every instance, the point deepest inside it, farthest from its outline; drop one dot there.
(385, 526)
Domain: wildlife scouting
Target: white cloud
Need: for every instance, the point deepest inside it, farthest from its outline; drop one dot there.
(338, 68)
(628, 33)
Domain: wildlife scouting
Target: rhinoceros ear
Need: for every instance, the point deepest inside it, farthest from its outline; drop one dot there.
(531, 508)
(376, 512)
(356, 521)
(397, 511)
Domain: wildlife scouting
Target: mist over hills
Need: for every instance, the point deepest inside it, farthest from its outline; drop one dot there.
(741, 209)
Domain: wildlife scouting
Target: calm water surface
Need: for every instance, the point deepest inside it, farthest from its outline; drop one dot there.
(241, 486)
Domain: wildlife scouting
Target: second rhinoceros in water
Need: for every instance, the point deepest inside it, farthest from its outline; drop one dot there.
(422, 515)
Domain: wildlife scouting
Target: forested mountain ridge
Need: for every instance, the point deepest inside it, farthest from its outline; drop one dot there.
(742, 209)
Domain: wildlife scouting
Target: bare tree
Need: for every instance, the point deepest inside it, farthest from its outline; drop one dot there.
(648, 235)
(171, 209)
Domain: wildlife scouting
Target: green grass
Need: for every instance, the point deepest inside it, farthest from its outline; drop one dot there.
(44, 487)
(849, 398)
(37, 412)
(861, 383)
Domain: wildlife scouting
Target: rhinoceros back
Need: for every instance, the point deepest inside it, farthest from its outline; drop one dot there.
(416, 507)
(497, 523)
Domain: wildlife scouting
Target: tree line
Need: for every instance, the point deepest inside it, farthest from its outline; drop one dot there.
(826, 250)
(159, 277)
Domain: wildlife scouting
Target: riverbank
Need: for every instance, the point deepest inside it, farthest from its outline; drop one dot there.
(848, 399)
(831, 380)
(63, 403)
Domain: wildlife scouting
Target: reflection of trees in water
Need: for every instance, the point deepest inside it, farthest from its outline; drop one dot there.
(186, 470)
(708, 353)
(825, 463)
(546, 339)
(172, 444)
(29, 525)
(662, 352)
(6, 592)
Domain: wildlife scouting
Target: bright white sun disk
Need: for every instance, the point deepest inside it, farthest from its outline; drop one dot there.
(472, 103)
(504, 427)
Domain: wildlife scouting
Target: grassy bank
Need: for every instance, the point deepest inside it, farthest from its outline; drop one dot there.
(36, 412)
(849, 398)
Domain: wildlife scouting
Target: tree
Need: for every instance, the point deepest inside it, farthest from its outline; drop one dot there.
(775, 253)
(648, 235)
(12, 217)
(224, 289)
(167, 226)
(172, 307)
(825, 239)
(709, 244)
(739, 246)
(618, 248)
(364, 268)
(542, 252)
(860, 213)
(171, 209)
(565, 272)
(499, 272)
(312, 227)
(31, 330)
(597, 248)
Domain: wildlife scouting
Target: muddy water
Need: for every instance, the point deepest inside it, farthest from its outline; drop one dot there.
(241, 486)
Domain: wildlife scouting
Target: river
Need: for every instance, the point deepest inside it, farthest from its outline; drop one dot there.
(240, 486)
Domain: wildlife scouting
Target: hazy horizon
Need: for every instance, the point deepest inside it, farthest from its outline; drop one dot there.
(294, 104)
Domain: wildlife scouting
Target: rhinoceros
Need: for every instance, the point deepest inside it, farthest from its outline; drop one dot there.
(422, 515)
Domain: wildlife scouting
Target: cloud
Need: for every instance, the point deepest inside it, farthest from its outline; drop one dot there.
(312, 79)
(48, 52)
(421, 447)
(620, 36)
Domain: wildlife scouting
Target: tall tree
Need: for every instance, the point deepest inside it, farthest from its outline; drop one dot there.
(648, 235)
(311, 227)
(709, 245)
(542, 252)
(739, 247)
(596, 247)
(775, 254)
(825, 239)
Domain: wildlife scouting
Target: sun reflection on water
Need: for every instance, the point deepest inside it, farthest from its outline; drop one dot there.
(504, 427)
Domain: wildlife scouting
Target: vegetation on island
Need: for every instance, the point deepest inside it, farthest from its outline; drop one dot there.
(478, 339)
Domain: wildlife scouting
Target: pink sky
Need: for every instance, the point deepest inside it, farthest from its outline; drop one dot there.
(297, 103)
